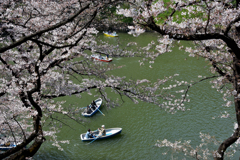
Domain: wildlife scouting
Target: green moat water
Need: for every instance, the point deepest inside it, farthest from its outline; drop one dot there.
(143, 124)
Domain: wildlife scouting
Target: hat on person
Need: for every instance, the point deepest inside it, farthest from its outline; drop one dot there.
(103, 126)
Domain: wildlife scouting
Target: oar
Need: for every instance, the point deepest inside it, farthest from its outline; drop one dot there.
(94, 139)
(80, 108)
(100, 112)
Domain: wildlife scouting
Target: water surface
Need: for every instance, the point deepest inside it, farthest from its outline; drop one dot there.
(143, 124)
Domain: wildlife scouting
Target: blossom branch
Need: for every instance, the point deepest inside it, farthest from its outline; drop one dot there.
(237, 19)
(214, 64)
(196, 37)
(20, 127)
(189, 86)
(26, 38)
(6, 121)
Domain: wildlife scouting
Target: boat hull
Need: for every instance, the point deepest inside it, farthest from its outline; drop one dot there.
(102, 60)
(98, 103)
(109, 133)
(5, 148)
(109, 35)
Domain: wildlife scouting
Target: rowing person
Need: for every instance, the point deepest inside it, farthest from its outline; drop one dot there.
(93, 104)
(102, 131)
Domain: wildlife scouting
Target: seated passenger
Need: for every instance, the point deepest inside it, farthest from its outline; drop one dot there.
(89, 110)
(89, 134)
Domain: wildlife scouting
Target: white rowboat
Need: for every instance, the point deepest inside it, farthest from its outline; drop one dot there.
(109, 133)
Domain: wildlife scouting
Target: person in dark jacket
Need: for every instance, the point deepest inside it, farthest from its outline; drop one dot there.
(89, 110)
(93, 104)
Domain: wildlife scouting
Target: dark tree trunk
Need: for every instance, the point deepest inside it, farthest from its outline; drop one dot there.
(236, 85)
(20, 152)
(29, 152)
(237, 3)
(223, 147)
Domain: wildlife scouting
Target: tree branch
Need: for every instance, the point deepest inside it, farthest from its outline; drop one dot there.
(24, 39)
(222, 148)
(229, 26)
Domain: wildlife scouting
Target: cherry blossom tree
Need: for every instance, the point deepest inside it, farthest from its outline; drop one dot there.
(44, 54)
(213, 27)
(43, 48)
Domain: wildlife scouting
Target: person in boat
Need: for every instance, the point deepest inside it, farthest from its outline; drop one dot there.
(93, 104)
(89, 134)
(6, 144)
(102, 131)
(89, 110)
(107, 56)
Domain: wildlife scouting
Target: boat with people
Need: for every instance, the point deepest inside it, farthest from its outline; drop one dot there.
(101, 58)
(7, 146)
(109, 133)
(92, 108)
(110, 34)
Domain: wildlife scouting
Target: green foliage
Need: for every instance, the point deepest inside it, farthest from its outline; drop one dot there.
(126, 19)
(178, 16)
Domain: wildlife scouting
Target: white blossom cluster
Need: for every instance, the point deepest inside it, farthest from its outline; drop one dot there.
(201, 151)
